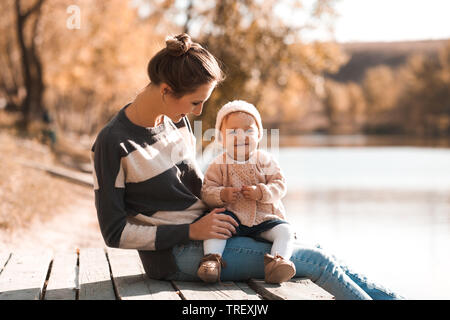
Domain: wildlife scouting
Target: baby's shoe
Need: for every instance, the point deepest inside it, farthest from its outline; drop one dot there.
(277, 269)
(210, 267)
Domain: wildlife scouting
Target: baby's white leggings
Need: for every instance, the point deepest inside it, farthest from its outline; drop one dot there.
(281, 235)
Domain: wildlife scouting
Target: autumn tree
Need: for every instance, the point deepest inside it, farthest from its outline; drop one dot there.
(83, 59)
(357, 105)
(20, 54)
(345, 106)
(90, 71)
(382, 87)
(425, 100)
(96, 69)
(261, 48)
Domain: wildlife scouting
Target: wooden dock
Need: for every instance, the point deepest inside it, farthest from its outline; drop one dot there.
(116, 274)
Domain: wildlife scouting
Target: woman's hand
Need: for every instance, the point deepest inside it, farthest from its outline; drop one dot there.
(252, 192)
(214, 225)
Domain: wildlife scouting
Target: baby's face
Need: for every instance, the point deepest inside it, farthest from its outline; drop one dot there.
(239, 135)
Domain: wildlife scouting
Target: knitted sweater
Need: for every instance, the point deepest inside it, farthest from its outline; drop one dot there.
(147, 186)
(261, 170)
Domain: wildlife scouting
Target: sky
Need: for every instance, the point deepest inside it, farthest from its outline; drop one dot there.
(364, 20)
(392, 20)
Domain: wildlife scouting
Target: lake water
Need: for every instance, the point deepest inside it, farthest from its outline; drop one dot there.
(385, 211)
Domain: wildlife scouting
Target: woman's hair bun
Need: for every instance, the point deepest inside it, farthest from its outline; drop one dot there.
(178, 45)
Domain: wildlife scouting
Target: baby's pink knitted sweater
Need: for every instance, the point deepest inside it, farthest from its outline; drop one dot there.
(261, 170)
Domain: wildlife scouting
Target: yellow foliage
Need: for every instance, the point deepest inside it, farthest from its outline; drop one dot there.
(94, 70)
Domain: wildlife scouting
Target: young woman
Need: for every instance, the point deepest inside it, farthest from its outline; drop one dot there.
(147, 184)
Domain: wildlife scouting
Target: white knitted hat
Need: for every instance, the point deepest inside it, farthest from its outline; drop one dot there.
(239, 106)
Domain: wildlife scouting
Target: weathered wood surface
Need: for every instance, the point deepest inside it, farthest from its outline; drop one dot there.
(24, 276)
(4, 257)
(296, 289)
(109, 274)
(132, 283)
(251, 294)
(208, 291)
(95, 278)
(63, 281)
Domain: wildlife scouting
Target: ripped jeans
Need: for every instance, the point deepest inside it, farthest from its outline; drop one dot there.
(244, 257)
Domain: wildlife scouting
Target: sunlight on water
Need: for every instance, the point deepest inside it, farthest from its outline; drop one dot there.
(401, 168)
(384, 211)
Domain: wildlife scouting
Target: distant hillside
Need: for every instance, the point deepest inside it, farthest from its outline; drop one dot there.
(365, 55)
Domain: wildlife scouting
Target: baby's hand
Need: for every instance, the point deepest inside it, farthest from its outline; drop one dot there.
(229, 194)
(252, 192)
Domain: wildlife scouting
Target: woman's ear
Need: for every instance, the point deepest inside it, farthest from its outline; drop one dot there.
(165, 89)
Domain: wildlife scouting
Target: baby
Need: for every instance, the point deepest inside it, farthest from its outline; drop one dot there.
(248, 182)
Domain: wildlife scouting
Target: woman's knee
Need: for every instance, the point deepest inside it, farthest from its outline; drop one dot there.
(312, 262)
(315, 255)
(247, 244)
(244, 257)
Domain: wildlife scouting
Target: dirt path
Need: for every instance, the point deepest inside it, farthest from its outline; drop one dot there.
(73, 227)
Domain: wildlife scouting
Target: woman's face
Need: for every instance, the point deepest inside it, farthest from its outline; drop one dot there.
(189, 103)
(239, 135)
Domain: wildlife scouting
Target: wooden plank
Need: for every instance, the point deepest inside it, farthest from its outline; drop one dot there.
(210, 291)
(251, 294)
(63, 280)
(127, 275)
(130, 280)
(161, 290)
(24, 276)
(95, 279)
(296, 289)
(4, 257)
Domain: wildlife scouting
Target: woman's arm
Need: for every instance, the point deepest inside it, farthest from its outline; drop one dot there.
(109, 195)
(213, 225)
(109, 188)
(117, 231)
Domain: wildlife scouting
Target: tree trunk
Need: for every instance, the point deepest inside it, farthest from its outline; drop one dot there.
(32, 105)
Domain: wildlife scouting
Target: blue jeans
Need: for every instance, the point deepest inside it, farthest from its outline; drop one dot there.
(244, 258)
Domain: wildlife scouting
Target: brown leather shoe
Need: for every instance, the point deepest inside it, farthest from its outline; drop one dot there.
(277, 269)
(210, 267)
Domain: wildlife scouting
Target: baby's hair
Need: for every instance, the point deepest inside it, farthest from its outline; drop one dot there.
(184, 65)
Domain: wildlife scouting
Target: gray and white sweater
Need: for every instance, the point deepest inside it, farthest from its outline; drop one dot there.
(147, 185)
